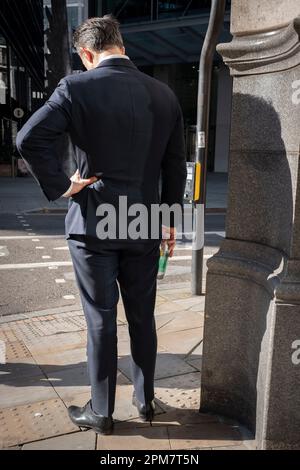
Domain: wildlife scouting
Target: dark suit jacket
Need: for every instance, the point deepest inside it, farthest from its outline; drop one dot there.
(123, 124)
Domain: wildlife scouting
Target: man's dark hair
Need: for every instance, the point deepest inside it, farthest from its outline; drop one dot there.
(98, 34)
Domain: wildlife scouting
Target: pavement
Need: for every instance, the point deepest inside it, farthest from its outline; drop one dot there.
(43, 338)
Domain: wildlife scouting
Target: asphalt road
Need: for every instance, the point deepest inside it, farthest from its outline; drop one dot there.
(35, 266)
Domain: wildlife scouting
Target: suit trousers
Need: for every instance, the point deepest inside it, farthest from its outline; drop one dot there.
(102, 270)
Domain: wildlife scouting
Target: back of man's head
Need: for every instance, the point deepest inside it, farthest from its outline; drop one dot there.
(98, 34)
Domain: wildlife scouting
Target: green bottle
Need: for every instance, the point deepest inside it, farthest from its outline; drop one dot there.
(163, 262)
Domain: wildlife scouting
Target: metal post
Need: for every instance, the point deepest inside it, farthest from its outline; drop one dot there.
(205, 71)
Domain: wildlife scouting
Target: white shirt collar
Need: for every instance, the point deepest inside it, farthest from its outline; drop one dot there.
(113, 56)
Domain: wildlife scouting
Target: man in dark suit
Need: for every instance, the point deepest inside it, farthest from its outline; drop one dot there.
(127, 132)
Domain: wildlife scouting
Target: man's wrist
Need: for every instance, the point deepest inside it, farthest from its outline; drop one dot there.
(69, 191)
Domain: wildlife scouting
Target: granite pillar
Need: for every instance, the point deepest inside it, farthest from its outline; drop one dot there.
(251, 355)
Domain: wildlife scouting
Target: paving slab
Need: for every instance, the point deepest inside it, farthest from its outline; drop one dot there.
(198, 308)
(180, 342)
(8, 335)
(56, 343)
(196, 363)
(166, 365)
(25, 390)
(184, 320)
(16, 350)
(203, 436)
(17, 368)
(30, 330)
(195, 302)
(34, 422)
(134, 437)
(167, 307)
(68, 382)
(236, 447)
(168, 293)
(179, 393)
(197, 352)
(53, 362)
(13, 448)
(76, 441)
(178, 417)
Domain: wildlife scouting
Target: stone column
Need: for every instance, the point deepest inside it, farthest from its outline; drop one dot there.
(251, 356)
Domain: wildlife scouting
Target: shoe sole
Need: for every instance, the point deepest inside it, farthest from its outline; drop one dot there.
(96, 430)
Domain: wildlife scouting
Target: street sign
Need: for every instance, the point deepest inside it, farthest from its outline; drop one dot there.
(201, 140)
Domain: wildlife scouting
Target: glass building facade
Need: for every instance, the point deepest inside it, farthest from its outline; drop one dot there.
(163, 38)
(21, 72)
(77, 12)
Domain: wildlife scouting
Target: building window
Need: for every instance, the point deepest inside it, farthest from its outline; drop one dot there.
(3, 71)
(182, 8)
(129, 11)
(77, 12)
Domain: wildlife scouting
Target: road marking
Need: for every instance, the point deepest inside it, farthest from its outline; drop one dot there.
(39, 247)
(3, 251)
(52, 267)
(61, 248)
(26, 225)
(187, 258)
(60, 281)
(49, 264)
(69, 297)
(46, 257)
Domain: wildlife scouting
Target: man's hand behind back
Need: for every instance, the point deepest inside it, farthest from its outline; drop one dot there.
(78, 184)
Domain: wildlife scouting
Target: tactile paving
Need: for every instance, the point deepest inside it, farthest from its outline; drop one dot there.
(33, 422)
(181, 392)
(26, 330)
(16, 350)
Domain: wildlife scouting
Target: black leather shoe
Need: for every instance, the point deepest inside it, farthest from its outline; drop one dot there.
(86, 418)
(146, 412)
